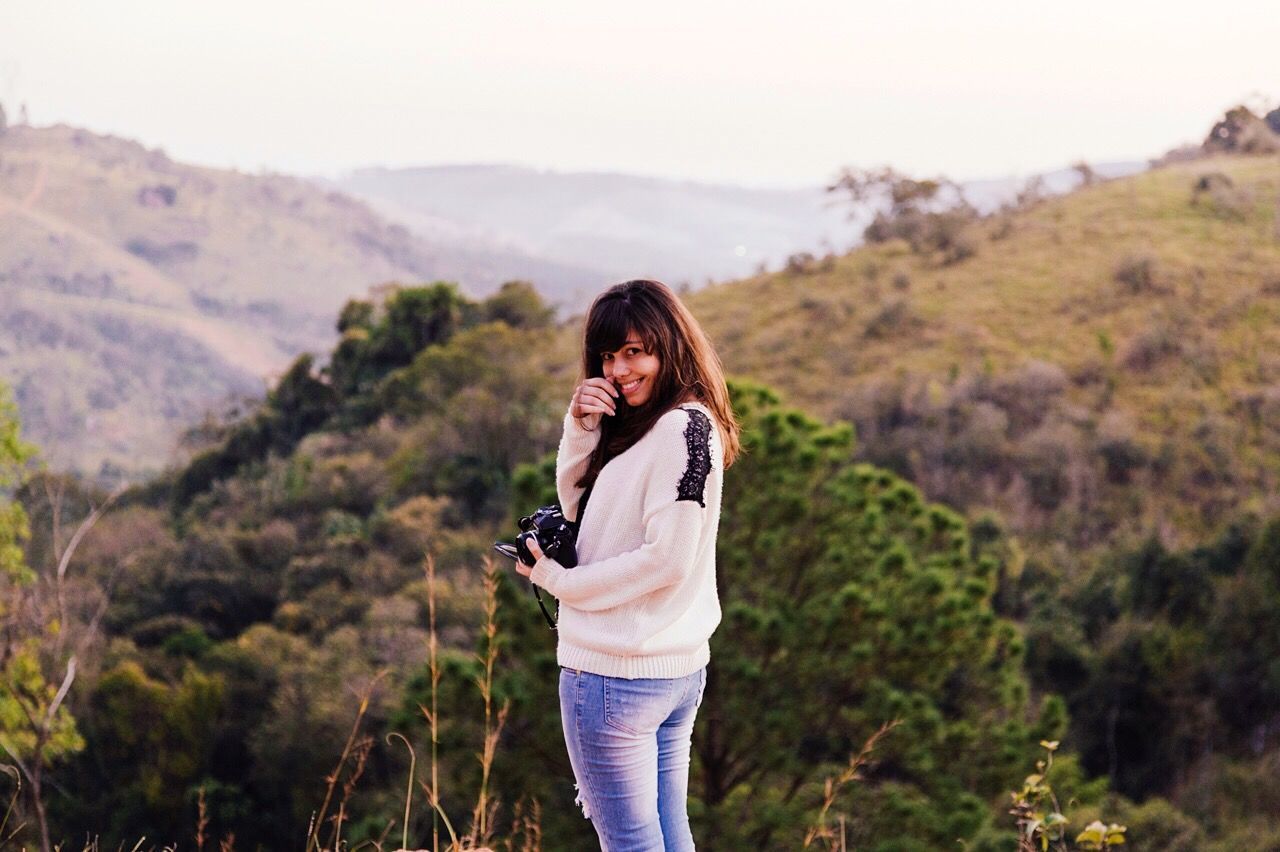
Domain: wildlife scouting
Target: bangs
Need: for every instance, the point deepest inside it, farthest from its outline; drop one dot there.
(608, 325)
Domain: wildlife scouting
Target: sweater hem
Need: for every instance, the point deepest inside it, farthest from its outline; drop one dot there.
(612, 665)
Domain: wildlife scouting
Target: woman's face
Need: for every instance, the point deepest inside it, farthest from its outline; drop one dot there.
(632, 369)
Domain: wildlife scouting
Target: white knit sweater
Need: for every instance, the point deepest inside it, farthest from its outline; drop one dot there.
(642, 601)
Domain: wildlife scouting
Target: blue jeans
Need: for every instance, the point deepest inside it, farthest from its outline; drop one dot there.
(629, 742)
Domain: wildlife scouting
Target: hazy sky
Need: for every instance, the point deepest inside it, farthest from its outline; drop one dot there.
(761, 94)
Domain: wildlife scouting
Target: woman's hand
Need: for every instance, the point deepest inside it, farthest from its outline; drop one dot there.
(594, 396)
(534, 548)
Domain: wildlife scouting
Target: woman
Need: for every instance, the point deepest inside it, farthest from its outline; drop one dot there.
(640, 455)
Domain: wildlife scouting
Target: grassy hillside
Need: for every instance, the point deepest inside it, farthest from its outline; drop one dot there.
(135, 291)
(1106, 362)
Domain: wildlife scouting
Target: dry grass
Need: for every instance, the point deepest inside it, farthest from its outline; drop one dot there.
(832, 839)
(526, 828)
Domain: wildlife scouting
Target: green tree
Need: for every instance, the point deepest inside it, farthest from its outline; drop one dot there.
(477, 409)
(40, 645)
(518, 304)
(14, 454)
(849, 601)
(152, 747)
(379, 339)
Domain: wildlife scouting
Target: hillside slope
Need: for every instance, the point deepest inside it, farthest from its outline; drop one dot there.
(1107, 361)
(135, 292)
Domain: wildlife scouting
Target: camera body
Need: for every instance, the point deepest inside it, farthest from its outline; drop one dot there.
(556, 535)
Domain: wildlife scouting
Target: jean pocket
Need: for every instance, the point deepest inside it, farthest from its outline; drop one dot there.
(637, 706)
(702, 687)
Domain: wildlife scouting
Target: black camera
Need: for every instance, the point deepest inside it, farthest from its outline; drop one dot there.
(557, 536)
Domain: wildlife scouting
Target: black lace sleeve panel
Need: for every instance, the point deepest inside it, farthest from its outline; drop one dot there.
(697, 437)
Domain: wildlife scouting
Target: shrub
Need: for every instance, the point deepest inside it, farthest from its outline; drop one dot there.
(1118, 445)
(1003, 228)
(1027, 392)
(981, 443)
(408, 529)
(933, 216)
(802, 263)
(519, 305)
(1138, 272)
(1217, 193)
(1088, 177)
(160, 254)
(1242, 132)
(1209, 180)
(1158, 826)
(1041, 823)
(953, 235)
(1148, 348)
(895, 317)
(1045, 457)
(160, 195)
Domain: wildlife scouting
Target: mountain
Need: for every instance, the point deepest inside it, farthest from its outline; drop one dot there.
(626, 226)
(137, 292)
(990, 194)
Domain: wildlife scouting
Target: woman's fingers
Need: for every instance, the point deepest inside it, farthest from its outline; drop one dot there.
(595, 396)
(602, 383)
(523, 569)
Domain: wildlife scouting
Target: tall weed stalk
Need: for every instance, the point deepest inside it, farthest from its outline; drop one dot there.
(831, 789)
(354, 745)
(482, 816)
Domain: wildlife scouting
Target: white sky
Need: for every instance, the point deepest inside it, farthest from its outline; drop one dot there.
(773, 94)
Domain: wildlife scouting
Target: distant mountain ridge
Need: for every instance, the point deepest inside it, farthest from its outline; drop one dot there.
(629, 226)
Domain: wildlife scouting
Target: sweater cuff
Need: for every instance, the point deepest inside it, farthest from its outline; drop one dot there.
(585, 426)
(546, 573)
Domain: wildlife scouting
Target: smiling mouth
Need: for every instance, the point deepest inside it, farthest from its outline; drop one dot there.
(630, 386)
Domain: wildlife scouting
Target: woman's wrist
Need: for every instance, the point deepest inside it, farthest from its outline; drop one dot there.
(543, 572)
(587, 421)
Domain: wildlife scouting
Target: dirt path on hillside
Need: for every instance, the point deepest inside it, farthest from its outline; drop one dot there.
(37, 188)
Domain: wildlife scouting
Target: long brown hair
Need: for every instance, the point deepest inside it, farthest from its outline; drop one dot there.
(688, 367)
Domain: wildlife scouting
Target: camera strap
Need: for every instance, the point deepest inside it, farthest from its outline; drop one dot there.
(577, 525)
